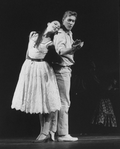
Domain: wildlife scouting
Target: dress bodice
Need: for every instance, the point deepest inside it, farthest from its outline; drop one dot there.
(40, 51)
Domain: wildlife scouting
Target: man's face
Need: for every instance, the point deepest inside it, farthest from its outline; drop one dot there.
(69, 22)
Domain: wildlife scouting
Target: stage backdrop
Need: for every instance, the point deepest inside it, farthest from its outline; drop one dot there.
(96, 25)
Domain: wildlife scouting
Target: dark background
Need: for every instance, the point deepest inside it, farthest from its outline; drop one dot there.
(97, 25)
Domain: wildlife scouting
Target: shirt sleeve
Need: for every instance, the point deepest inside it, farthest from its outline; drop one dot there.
(59, 43)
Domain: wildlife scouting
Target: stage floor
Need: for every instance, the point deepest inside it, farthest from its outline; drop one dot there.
(84, 142)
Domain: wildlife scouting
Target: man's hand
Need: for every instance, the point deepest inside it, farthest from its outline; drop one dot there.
(77, 45)
(76, 42)
(81, 44)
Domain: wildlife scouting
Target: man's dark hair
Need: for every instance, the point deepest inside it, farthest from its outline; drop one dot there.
(69, 13)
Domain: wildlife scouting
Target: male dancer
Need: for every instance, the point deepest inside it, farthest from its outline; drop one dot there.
(65, 47)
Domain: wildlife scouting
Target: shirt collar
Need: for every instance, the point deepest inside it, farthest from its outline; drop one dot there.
(67, 31)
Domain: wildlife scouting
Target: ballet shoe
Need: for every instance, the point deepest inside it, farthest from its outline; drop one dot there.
(42, 138)
(38, 136)
(52, 136)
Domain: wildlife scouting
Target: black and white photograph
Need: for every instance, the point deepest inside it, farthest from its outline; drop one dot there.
(59, 76)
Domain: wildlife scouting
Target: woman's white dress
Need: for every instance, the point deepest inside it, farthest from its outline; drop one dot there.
(36, 90)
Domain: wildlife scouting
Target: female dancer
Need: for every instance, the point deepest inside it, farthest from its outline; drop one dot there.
(37, 90)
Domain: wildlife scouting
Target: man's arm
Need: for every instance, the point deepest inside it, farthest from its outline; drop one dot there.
(60, 45)
(77, 46)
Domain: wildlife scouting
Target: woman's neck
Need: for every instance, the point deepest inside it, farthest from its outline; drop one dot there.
(45, 39)
(49, 35)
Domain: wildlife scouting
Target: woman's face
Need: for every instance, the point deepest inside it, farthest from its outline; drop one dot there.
(53, 26)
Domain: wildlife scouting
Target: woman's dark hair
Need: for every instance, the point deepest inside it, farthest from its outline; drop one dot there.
(39, 39)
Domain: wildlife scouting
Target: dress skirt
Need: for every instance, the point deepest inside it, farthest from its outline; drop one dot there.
(104, 113)
(36, 90)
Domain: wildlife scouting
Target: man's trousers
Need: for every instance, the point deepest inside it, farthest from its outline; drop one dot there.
(63, 77)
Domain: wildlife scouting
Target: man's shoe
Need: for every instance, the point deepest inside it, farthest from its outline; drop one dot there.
(67, 138)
